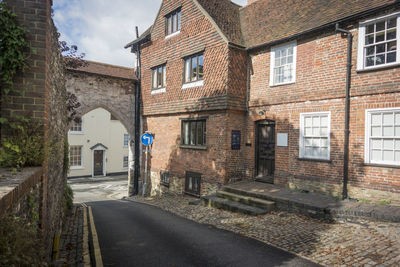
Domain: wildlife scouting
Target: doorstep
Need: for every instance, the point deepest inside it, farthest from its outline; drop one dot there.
(313, 204)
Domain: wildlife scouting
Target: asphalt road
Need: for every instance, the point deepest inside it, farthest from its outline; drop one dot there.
(135, 234)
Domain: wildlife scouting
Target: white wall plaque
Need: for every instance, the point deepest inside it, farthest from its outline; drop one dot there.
(282, 139)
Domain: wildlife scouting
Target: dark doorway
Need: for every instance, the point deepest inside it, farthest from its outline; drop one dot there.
(265, 151)
(98, 162)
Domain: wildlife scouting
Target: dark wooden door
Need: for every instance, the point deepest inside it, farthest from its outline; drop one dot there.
(98, 162)
(265, 151)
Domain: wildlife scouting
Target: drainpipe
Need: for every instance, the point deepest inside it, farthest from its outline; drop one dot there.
(136, 172)
(349, 36)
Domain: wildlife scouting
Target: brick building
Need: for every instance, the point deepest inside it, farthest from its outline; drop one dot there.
(259, 91)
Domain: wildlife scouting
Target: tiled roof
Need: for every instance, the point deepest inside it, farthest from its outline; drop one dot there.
(107, 70)
(265, 21)
(226, 16)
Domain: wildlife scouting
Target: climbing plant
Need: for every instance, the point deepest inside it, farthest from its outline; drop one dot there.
(13, 46)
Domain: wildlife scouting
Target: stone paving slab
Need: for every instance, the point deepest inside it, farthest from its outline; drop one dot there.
(71, 241)
(315, 205)
(341, 243)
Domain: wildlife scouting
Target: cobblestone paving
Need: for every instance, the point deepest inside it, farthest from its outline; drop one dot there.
(71, 250)
(345, 243)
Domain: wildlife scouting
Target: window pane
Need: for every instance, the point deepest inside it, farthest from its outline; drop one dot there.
(186, 132)
(199, 133)
(397, 131)
(397, 144)
(164, 75)
(388, 155)
(316, 131)
(315, 121)
(392, 23)
(308, 131)
(380, 37)
(194, 68)
(380, 26)
(369, 61)
(388, 145)
(324, 142)
(187, 70)
(174, 23)
(179, 20)
(391, 34)
(308, 121)
(376, 119)
(380, 48)
(376, 131)
(397, 156)
(376, 144)
(370, 28)
(159, 77)
(307, 141)
(369, 39)
(324, 121)
(388, 119)
(169, 24)
(397, 118)
(201, 71)
(370, 50)
(324, 131)
(155, 78)
(376, 155)
(379, 59)
(315, 142)
(193, 133)
(388, 131)
(391, 57)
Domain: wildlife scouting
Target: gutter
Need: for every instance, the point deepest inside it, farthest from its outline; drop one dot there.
(349, 37)
(322, 27)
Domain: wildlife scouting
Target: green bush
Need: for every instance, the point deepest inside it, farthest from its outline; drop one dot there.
(23, 146)
(68, 198)
(20, 244)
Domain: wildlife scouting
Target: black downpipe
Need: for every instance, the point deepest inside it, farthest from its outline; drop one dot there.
(136, 172)
(349, 36)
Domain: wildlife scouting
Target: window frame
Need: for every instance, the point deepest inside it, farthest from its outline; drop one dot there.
(127, 140)
(368, 136)
(361, 42)
(204, 133)
(301, 141)
(123, 162)
(190, 58)
(176, 25)
(76, 132)
(155, 71)
(72, 167)
(272, 62)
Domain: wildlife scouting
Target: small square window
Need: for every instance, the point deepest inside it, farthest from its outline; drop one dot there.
(193, 132)
(194, 68)
(125, 162)
(75, 156)
(173, 22)
(377, 44)
(159, 77)
(126, 140)
(76, 126)
(164, 175)
(192, 183)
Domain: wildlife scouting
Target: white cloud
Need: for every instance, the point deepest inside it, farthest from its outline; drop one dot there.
(101, 28)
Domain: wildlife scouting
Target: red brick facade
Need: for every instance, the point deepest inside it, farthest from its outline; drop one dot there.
(237, 93)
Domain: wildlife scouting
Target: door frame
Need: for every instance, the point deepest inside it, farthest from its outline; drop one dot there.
(104, 160)
(257, 123)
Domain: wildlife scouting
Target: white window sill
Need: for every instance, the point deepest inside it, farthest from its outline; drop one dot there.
(76, 167)
(396, 64)
(279, 84)
(172, 34)
(383, 164)
(193, 84)
(314, 159)
(158, 91)
(78, 133)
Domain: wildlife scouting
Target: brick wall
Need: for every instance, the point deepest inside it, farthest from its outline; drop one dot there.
(320, 86)
(44, 99)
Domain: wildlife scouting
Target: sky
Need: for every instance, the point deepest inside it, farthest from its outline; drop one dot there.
(101, 28)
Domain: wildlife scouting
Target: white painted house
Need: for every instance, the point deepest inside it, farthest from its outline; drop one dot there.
(98, 145)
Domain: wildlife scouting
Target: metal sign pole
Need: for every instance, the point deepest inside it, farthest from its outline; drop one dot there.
(145, 171)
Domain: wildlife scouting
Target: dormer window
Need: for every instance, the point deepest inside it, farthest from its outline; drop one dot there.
(173, 24)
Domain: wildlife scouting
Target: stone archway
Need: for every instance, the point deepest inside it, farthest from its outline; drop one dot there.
(99, 85)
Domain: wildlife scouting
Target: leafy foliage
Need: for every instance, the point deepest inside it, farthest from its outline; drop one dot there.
(24, 146)
(20, 244)
(12, 47)
(68, 198)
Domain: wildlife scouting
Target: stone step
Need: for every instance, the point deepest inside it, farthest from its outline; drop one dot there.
(225, 204)
(247, 200)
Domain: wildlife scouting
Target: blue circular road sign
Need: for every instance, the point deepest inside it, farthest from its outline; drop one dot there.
(147, 139)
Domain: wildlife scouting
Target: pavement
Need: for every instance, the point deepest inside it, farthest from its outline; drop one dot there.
(136, 234)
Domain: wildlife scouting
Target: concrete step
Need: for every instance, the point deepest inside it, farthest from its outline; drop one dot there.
(247, 200)
(225, 204)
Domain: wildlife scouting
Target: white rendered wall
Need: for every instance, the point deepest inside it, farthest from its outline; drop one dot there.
(97, 127)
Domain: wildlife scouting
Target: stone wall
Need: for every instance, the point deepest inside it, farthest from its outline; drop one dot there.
(43, 100)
